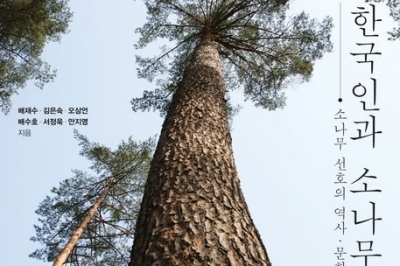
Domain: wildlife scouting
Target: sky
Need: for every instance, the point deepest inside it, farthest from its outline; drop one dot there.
(286, 159)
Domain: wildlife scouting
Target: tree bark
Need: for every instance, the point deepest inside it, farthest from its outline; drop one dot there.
(193, 210)
(64, 254)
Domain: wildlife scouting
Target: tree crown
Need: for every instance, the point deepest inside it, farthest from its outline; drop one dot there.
(262, 50)
(25, 27)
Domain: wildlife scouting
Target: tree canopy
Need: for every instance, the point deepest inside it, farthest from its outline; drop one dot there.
(108, 238)
(263, 50)
(25, 27)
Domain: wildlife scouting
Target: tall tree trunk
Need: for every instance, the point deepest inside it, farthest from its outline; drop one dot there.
(64, 254)
(193, 211)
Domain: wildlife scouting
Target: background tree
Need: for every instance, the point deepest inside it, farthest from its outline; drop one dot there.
(193, 211)
(25, 27)
(105, 240)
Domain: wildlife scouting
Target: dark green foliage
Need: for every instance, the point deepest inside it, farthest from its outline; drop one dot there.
(108, 238)
(262, 50)
(25, 27)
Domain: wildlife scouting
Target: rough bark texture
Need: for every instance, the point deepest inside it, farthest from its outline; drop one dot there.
(193, 210)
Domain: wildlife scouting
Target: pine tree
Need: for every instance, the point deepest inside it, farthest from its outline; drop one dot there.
(90, 218)
(193, 211)
(25, 27)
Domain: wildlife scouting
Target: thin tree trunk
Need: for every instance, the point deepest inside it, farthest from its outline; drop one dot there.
(193, 210)
(64, 254)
